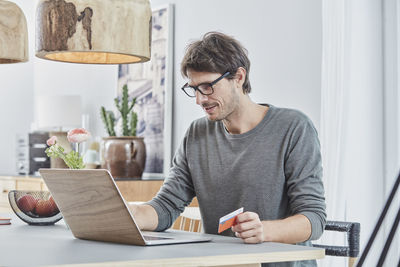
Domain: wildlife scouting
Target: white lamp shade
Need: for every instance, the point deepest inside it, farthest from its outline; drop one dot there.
(57, 112)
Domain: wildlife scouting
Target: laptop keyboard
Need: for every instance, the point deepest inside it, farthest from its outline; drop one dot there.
(148, 237)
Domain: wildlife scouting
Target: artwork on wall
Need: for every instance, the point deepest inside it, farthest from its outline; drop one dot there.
(151, 84)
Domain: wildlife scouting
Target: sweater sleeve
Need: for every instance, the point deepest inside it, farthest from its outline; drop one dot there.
(176, 193)
(303, 172)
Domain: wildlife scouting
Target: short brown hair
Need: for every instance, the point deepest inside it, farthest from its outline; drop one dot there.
(218, 53)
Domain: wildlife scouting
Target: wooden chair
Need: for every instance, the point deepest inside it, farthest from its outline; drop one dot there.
(352, 230)
(189, 220)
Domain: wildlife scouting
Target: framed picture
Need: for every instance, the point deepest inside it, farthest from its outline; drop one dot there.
(151, 84)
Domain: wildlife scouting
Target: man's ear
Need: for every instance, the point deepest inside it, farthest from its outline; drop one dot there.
(240, 77)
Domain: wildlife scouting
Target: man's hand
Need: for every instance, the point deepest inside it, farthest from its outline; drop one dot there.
(145, 216)
(249, 228)
(291, 230)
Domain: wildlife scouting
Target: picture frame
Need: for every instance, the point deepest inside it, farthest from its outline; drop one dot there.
(151, 84)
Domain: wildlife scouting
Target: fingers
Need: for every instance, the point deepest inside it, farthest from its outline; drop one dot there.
(246, 221)
(252, 240)
(246, 216)
(249, 227)
(249, 233)
(132, 208)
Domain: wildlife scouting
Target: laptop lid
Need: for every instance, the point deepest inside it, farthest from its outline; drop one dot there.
(94, 209)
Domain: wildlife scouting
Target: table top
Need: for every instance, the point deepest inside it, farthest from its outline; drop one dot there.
(25, 245)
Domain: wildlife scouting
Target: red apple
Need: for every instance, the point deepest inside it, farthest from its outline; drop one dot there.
(26, 203)
(53, 203)
(44, 208)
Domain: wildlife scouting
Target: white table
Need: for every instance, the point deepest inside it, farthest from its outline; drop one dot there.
(25, 245)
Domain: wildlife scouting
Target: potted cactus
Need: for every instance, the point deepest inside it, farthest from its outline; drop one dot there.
(124, 156)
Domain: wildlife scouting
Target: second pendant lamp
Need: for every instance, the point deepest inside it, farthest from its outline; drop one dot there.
(94, 31)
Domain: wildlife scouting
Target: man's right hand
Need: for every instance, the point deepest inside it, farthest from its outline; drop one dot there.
(145, 216)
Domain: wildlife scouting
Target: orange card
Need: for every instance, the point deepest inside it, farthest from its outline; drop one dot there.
(228, 220)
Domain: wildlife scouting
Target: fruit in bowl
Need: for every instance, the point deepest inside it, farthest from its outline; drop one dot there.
(34, 207)
(27, 203)
(45, 207)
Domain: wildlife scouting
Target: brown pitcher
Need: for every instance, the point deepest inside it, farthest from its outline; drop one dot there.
(124, 156)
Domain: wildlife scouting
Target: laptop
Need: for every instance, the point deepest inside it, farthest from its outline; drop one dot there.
(94, 209)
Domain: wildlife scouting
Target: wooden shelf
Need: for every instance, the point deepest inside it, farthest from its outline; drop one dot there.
(131, 190)
(139, 190)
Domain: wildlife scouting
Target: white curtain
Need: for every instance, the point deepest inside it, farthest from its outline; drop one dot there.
(352, 118)
(391, 53)
(334, 103)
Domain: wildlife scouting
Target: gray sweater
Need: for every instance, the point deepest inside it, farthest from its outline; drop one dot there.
(274, 170)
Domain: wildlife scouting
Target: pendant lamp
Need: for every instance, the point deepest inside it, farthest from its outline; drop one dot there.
(13, 34)
(94, 31)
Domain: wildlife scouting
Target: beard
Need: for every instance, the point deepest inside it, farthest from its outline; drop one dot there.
(230, 106)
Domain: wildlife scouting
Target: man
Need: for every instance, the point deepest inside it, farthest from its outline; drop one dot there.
(260, 157)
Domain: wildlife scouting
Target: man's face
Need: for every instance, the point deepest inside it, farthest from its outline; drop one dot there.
(223, 102)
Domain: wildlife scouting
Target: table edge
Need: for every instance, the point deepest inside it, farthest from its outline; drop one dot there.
(219, 260)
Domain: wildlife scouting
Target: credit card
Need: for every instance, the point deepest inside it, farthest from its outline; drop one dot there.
(228, 220)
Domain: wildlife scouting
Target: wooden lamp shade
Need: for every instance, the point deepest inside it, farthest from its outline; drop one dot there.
(13, 34)
(94, 31)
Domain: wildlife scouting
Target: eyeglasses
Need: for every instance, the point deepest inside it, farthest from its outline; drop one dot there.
(203, 88)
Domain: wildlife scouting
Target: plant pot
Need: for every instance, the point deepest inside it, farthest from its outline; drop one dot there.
(124, 156)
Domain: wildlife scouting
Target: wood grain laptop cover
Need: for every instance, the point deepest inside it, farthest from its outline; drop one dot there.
(92, 205)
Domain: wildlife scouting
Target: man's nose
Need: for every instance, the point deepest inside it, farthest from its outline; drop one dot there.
(200, 98)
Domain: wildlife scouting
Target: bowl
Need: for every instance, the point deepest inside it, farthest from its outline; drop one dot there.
(34, 207)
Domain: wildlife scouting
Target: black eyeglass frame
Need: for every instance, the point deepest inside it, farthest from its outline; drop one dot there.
(211, 84)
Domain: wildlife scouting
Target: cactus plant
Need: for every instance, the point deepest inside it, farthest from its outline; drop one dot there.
(134, 120)
(129, 117)
(108, 120)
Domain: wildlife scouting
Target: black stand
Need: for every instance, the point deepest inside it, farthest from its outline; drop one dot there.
(377, 227)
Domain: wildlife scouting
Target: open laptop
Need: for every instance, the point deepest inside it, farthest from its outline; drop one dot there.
(94, 209)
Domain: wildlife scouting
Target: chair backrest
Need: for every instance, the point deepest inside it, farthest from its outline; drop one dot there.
(352, 230)
(189, 220)
(191, 225)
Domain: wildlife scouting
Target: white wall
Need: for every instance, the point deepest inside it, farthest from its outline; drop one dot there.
(284, 43)
(283, 39)
(16, 93)
(96, 84)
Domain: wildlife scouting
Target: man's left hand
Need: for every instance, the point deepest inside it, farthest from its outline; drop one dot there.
(249, 228)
